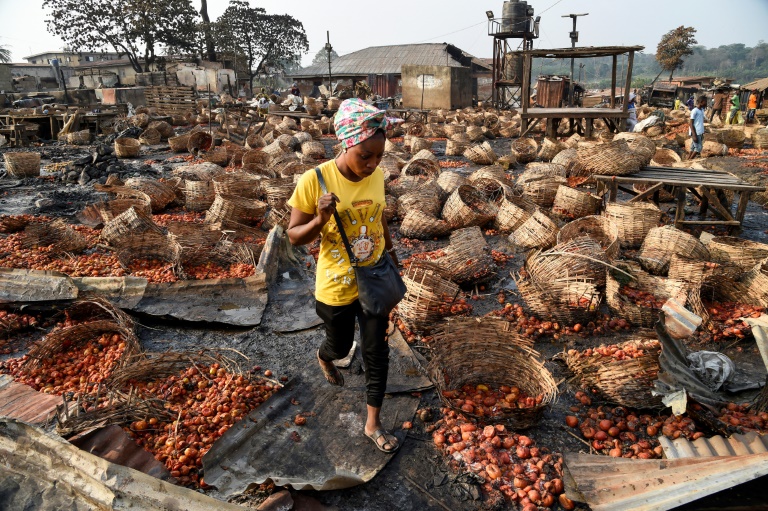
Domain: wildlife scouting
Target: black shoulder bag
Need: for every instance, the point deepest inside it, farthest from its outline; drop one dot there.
(379, 286)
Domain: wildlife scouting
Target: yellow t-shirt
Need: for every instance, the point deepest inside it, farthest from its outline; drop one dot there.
(361, 209)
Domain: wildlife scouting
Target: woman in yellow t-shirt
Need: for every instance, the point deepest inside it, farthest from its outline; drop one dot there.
(356, 191)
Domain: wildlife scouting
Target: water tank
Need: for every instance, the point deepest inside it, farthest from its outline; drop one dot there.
(513, 67)
(514, 17)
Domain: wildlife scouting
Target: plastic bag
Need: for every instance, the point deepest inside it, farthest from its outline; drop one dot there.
(712, 368)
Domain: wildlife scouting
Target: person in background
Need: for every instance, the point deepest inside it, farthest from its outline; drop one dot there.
(632, 109)
(355, 186)
(295, 89)
(678, 103)
(697, 127)
(689, 103)
(735, 107)
(717, 105)
(752, 106)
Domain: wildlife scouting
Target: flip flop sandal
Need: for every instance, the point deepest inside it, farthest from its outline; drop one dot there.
(380, 446)
(332, 376)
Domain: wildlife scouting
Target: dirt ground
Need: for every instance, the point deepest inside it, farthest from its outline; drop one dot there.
(417, 477)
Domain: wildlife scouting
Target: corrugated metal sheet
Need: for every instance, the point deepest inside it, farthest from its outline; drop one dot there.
(736, 445)
(18, 401)
(389, 60)
(760, 84)
(609, 484)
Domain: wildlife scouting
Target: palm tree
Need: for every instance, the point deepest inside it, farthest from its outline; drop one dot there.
(5, 54)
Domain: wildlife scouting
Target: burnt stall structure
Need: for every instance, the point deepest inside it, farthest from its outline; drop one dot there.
(613, 116)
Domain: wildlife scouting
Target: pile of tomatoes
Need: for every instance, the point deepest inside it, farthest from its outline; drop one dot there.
(212, 270)
(487, 401)
(642, 298)
(725, 324)
(613, 352)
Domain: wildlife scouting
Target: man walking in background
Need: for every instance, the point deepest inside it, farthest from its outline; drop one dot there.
(752, 106)
(697, 127)
(735, 107)
(717, 105)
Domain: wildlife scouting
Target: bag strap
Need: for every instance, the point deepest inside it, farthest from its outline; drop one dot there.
(352, 259)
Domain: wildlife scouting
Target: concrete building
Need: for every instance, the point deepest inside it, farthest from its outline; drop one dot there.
(70, 58)
(381, 67)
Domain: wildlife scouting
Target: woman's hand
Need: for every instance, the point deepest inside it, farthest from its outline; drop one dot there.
(326, 205)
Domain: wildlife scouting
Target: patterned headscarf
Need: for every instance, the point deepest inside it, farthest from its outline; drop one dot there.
(357, 121)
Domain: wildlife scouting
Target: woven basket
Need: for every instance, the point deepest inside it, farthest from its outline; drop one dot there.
(453, 148)
(237, 184)
(150, 136)
(449, 182)
(422, 167)
(572, 203)
(229, 208)
(275, 150)
(662, 242)
(709, 148)
(475, 134)
(254, 141)
(539, 231)
(597, 228)
(420, 144)
(665, 158)
(513, 212)
(278, 191)
(178, 120)
(481, 154)
(756, 282)
(642, 146)
(461, 137)
(486, 351)
(525, 149)
(428, 290)
(743, 253)
(425, 154)
(390, 210)
(199, 141)
(425, 199)
(639, 315)
(582, 258)
(140, 120)
(313, 149)
(627, 382)
(162, 127)
(198, 195)
(492, 189)
(422, 225)
(179, 143)
(549, 149)
(698, 272)
(256, 156)
(543, 189)
(217, 156)
(760, 138)
(127, 147)
(198, 172)
(22, 164)
(132, 221)
(453, 129)
(159, 193)
(569, 159)
(56, 235)
(392, 164)
(82, 137)
(633, 219)
(467, 207)
(569, 302)
(467, 258)
(733, 138)
(610, 159)
(150, 246)
(405, 184)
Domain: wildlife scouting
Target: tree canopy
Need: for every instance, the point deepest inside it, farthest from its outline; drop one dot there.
(128, 27)
(261, 40)
(321, 57)
(675, 45)
(5, 54)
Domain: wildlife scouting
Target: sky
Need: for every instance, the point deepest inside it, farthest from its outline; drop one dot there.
(459, 22)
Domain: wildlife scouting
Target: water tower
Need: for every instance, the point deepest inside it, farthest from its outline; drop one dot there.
(515, 30)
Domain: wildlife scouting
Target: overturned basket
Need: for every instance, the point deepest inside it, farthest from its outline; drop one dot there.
(525, 149)
(539, 231)
(573, 203)
(238, 184)
(569, 302)
(542, 190)
(423, 226)
(468, 257)
(22, 164)
(738, 251)
(422, 167)
(613, 158)
(128, 223)
(633, 220)
(179, 143)
(467, 207)
(127, 147)
(481, 154)
(428, 294)
(425, 199)
(160, 194)
(475, 351)
(598, 228)
(627, 381)
(228, 208)
(513, 212)
(663, 242)
(198, 195)
(150, 136)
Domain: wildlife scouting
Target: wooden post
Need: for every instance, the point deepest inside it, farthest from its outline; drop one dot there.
(629, 82)
(526, 90)
(742, 207)
(680, 212)
(613, 83)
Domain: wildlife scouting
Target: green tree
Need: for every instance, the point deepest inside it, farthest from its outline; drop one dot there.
(321, 57)
(262, 41)
(134, 28)
(5, 54)
(675, 45)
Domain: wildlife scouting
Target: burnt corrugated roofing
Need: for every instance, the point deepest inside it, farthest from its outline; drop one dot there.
(389, 60)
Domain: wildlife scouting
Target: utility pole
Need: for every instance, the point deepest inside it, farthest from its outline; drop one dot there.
(329, 49)
(574, 38)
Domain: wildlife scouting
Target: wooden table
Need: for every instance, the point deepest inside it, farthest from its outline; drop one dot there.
(706, 185)
(613, 117)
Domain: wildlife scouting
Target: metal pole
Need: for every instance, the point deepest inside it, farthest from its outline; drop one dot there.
(329, 49)
(423, 78)
(574, 38)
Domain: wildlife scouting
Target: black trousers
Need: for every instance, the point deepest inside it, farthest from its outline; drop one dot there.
(715, 112)
(340, 334)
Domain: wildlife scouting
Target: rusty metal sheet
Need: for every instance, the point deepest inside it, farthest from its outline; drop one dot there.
(35, 286)
(113, 444)
(736, 445)
(608, 484)
(19, 401)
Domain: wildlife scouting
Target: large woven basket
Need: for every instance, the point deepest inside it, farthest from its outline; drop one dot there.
(514, 210)
(613, 158)
(481, 154)
(569, 302)
(278, 191)
(422, 167)
(453, 148)
(633, 219)
(525, 149)
(82, 137)
(162, 127)
(229, 208)
(733, 138)
(150, 136)
(405, 184)
(217, 156)
(199, 141)
(643, 147)
(597, 228)
(198, 195)
(254, 141)
(420, 144)
(127, 147)
(467, 207)
(453, 129)
(237, 184)
(539, 231)
(425, 154)
(150, 245)
(640, 315)
(422, 225)
(313, 149)
(22, 164)
(741, 252)
(756, 282)
(665, 158)
(486, 351)
(536, 170)
(449, 182)
(662, 242)
(627, 382)
(542, 190)
(132, 221)
(699, 271)
(572, 203)
(256, 156)
(569, 159)
(57, 235)
(160, 194)
(475, 133)
(581, 258)
(468, 257)
(179, 143)
(426, 199)
(550, 148)
(140, 120)
(760, 138)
